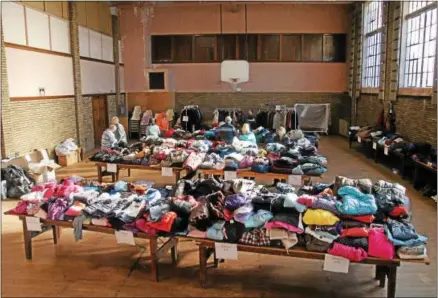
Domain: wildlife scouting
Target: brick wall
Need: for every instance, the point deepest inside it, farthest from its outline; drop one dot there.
(86, 121)
(416, 116)
(369, 108)
(207, 102)
(111, 101)
(34, 124)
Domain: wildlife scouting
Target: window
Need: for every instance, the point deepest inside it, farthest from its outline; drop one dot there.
(291, 48)
(182, 48)
(419, 44)
(312, 47)
(205, 48)
(161, 48)
(251, 47)
(334, 48)
(372, 44)
(270, 47)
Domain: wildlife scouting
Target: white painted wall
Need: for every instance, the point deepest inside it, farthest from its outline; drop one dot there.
(97, 77)
(28, 71)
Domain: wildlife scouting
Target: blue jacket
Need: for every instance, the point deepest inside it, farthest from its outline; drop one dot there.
(249, 137)
(355, 202)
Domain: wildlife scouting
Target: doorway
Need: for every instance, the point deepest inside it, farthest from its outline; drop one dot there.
(100, 117)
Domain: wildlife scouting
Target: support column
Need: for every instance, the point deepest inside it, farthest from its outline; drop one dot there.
(116, 38)
(74, 46)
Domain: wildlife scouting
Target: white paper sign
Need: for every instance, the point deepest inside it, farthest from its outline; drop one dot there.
(294, 180)
(359, 140)
(226, 251)
(185, 118)
(112, 168)
(230, 175)
(386, 150)
(125, 237)
(33, 224)
(374, 145)
(166, 172)
(336, 264)
(277, 108)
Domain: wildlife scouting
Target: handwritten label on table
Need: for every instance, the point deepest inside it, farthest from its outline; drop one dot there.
(386, 150)
(230, 175)
(33, 224)
(112, 168)
(166, 172)
(294, 180)
(225, 251)
(185, 118)
(336, 264)
(125, 237)
(374, 145)
(359, 140)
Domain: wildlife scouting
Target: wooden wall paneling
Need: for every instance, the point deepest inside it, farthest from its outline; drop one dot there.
(14, 28)
(65, 10)
(82, 13)
(54, 8)
(105, 19)
(35, 4)
(38, 70)
(93, 18)
(95, 44)
(84, 42)
(38, 29)
(155, 101)
(59, 35)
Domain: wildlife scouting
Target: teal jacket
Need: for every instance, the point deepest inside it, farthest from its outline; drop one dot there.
(249, 137)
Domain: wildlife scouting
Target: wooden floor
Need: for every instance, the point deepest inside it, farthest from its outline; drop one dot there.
(99, 267)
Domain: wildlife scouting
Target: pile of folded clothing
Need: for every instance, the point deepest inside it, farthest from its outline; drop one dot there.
(352, 218)
(298, 156)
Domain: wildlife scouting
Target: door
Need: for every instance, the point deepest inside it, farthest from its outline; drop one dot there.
(100, 118)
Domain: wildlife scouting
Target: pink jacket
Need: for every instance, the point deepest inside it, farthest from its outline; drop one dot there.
(348, 252)
(379, 245)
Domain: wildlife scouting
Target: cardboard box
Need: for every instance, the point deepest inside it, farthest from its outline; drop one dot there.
(72, 158)
(37, 163)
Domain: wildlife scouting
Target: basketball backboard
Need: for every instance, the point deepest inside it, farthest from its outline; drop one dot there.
(235, 72)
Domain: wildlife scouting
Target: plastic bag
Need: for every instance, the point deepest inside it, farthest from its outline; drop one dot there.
(3, 190)
(66, 147)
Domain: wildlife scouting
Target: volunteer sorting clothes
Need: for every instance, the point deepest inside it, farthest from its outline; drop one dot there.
(109, 138)
(336, 219)
(246, 134)
(226, 132)
(152, 129)
(120, 133)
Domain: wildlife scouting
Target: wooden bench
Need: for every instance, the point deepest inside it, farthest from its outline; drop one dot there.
(55, 225)
(129, 167)
(385, 269)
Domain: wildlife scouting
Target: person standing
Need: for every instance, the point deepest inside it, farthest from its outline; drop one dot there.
(226, 131)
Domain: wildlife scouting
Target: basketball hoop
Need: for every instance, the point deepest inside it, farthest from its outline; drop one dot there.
(235, 72)
(234, 83)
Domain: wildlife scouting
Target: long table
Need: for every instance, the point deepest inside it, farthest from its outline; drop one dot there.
(155, 252)
(386, 270)
(243, 173)
(129, 167)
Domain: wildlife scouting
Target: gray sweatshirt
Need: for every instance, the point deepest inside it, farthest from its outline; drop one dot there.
(108, 139)
(120, 133)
